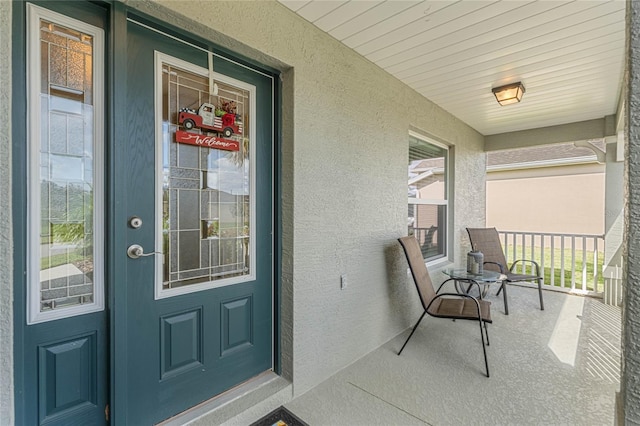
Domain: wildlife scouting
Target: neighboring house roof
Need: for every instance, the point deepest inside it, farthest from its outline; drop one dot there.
(428, 164)
(546, 155)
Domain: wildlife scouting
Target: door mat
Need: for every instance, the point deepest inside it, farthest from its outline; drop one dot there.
(280, 417)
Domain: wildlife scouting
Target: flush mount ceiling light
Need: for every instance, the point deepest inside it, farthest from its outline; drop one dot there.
(509, 94)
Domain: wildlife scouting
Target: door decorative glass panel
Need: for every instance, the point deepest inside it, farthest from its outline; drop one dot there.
(65, 166)
(205, 183)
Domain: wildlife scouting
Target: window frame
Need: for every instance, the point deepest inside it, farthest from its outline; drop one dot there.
(159, 292)
(33, 58)
(444, 256)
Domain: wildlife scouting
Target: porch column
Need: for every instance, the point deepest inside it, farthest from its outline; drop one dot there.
(629, 409)
(6, 238)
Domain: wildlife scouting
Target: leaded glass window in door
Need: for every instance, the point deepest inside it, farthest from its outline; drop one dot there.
(206, 179)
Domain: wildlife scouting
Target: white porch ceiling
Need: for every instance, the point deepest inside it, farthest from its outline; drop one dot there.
(568, 54)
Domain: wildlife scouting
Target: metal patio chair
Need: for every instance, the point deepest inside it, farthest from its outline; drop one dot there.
(443, 305)
(487, 241)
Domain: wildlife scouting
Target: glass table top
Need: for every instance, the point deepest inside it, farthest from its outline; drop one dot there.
(462, 274)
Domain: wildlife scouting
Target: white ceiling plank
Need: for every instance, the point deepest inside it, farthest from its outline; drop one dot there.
(513, 54)
(574, 107)
(384, 46)
(600, 74)
(492, 127)
(523, 66)
(564, 116)
(579, 103)
(490, 108)
(484, 113)
(486, 77)
(370, 17)
(316, 9)
(503, 41)
(568, 54)
(502, 73)
(472, 29)
(586, 80)
(294, 4)
(542, 94)
(388, 24)
(344, 14)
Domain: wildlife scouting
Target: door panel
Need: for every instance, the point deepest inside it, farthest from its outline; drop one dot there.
(178, 350)
(61, 337)
(67, 376)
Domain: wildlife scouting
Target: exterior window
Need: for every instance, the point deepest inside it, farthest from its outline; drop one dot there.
(204, 179)
(65, 166)
(428, 190)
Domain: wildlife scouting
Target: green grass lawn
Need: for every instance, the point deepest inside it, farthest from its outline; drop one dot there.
(557, 256)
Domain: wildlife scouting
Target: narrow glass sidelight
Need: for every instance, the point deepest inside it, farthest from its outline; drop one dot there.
(65, 143)
(205, 178)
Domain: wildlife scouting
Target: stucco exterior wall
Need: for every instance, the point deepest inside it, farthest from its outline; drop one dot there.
(568, 199)
(6, 244)
(630, 380)
(614, 213)
(344, 185)
(571, 132)
(346, 190)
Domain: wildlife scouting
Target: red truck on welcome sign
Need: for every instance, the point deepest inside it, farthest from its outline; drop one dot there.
(205, 118)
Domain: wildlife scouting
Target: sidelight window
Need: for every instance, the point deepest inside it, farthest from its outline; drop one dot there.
(65, 142)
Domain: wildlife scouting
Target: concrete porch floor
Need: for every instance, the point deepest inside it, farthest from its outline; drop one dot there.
(557, 366)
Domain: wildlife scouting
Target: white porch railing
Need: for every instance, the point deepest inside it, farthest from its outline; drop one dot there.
(568, 262)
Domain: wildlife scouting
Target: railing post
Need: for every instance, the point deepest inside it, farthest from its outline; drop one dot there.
(528, 249)
(533, 254)
(573, 262)
(562, 262)
(542, 244)
(584, 264)
(553, 260)
(595, 264)
(524, 251)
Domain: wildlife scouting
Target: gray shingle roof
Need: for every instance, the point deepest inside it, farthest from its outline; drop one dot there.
(541, 153)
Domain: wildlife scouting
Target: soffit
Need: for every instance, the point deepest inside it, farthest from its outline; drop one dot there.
(568, 54)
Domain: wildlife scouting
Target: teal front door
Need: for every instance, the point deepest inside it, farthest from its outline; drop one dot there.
(192, 224)
(143, 217)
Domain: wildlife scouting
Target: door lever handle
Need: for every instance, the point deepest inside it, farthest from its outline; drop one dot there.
(136, 251)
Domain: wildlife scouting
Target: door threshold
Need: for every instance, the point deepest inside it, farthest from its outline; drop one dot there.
(233, 401)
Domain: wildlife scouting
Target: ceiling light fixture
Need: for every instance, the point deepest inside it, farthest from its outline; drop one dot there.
(509, 94)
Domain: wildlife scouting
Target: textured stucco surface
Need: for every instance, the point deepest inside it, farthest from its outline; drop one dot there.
(630, 384)
(344, 181)
(344, 185)
(591, 129)
(614, 211)
(6, 253)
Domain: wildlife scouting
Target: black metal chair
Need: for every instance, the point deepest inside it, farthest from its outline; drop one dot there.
(444, 305)
(487, 241)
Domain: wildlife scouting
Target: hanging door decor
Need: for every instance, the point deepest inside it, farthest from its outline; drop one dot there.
(206, 141)
(206, 178)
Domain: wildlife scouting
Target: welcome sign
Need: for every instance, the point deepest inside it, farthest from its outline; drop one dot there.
(206, 141)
